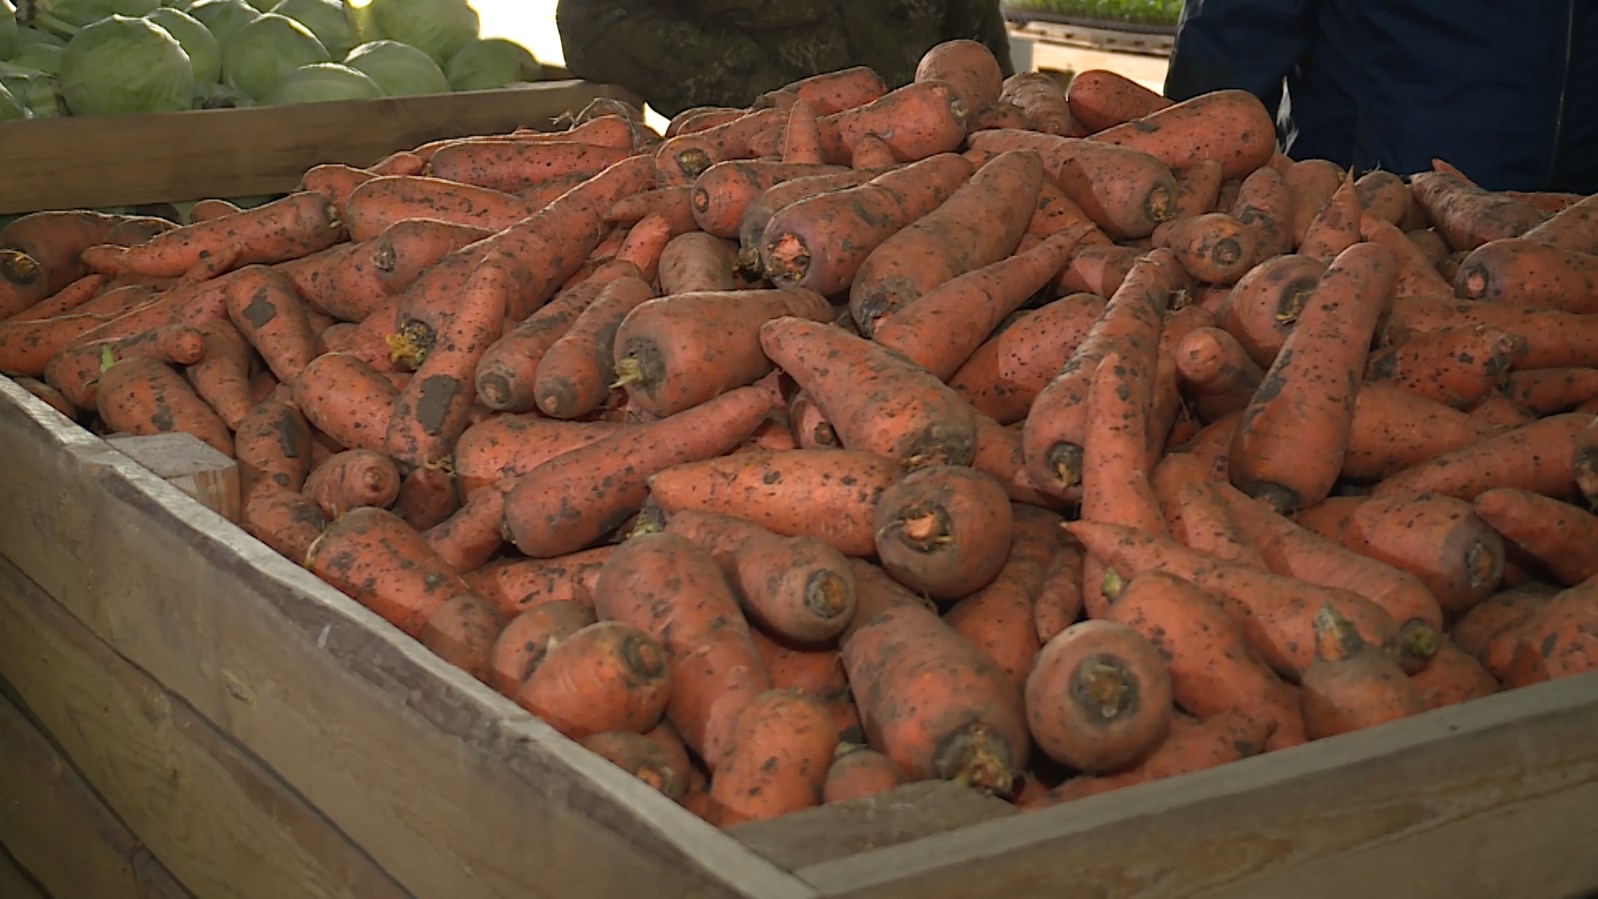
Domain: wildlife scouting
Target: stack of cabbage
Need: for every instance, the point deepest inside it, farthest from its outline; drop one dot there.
(117, 57)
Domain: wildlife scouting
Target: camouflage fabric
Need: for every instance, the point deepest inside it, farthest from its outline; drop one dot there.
(678, 54)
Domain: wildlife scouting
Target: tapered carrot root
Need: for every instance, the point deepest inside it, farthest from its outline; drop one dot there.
(1310, 184)
(1059, 601)
(1126, 192)
(966, 720)
(1195, 512)
(1453, 366)
(1215, 373)
(506, 446)
(1031, 355)
(1560, 639)
(642, 758)
(299, 224)
(776, 758)
(1559, 535)
(1538, 457)
(1267, 301)
(1335, 228)
(383, 563)
(720, 197)
(346, 400)
(1098, 697)
(146, 396)
(796, 588)
(1553, 339)
(841, 488)
(381, 203)
(1213, 669)
(1289, 446)
(943, 530)
(516, 585)
(1395, 429)
(999, 618)
(352, 479)
(575, 376)
(829, 92)
(687, 156)
(607, 676)
(76, 371)
(1199, 192)
(883, 404)
(857, 772)
(1101, 99)
(1043, 105)
(1468, 216)
(1350, 685)
(918, 120)
(1183, 133)
(1453, 676)
(462, 632)
(508, 368)
(1531, 274)
(526, 638)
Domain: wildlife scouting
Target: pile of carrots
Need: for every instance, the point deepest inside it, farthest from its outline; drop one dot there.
(1049, 442)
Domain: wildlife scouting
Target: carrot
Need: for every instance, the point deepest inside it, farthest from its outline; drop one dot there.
(427, 498)
(606, 676)
(801, 136)
(1231, 126)
(508, 369)
(822, 242)
(1199, 190)
(1553, 339)
(1100, 99)
(698, 118)
(930, 700)
(685, 157)
(665, 586)
(69, 298)
(941, 328)
(697, 261)
(680, 350)
(1045, 107)
(1586, 461)
(721, 196)
(467, 533)
(572, 500)
(340, 281)
(980, 383)
(515, 585)
(332, 180)
(1195, 512)
(857, 772)
(918, 120)
(1384, 197)
(141, 395)
(943, 530)
(876, 400)
(378, 560)
(1267, 302)
(1394, 429)
(999, 114)
(998, 618)
(966, 65)
(380, 203)
(1058, 603)
(1351, 686)
(505, 446)
(76, 371)
(814, 670)
(1123, 190)
(574, 376)
(1451, 677)
(1560, 639)
(1468, 216)
(1029, 356)
(872, 153)
(294, 226)
(270, 315)
(1098, 697)
(462, 632)
(1310, 185)
(999, 456)
(511, 165)
(767, 203)
(1536, 457)
(1546, 391)
(23, 282)
(1336, 227)
(45, 250)
(1213, 247)
(1431, 245)
(1453, 366)
(1272, 610)
(273, 444)
(674, 204)
(342, 397)
(284, 520)
(640, 757)
(352, 479)
(1530, 274)
(1289, 446)
(1215, 373)
(1057, 424)
(829, 92)
(1490, 631)
(1561, 536)
(1573, 227)
(1551, 202)
(775, 760)
(1417, 274)
(49, 395)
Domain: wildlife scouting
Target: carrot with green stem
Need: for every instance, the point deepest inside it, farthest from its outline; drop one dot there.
(1274, 611)
(1453, 366)
(145, 396)
(575, 498)
(1351, 685)
(840, 487)
(1098, 697)
(884, 404)
(677, 351)
(930, 700)
(1057, 424)
(1537, 457)
(999, 618)
(1561, 536)
(1290, 445)
(1468, 216)
(1125, 191)
(75, 372)
(576, 374)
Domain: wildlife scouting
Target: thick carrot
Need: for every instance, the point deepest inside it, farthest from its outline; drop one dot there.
(943, 530)
(72, 297)
(1214, 247)
(1384, 197)
(575, 498)
(1124, 191)
(1215, 373)
(76, 371)
(1490, 631)
(427, 498)
(1044, 106)
(999, 617)
(1336, 227)
(1199, 191)
(643, 758)
(1537, 457)
(1057, 424)
(1098, 697)
(1350, 685)
(462, 632)
(876, 400)
(1530, 274)
(511, 165)
(1559, 640)
(41, 253)
(1310, 184)
(296, 225)
(1546, 391)
(757, 214)
(1059, 601)
(1417, 274)
(1231, 126)
(664, 585)
(515, 585)
(801, 136)
(608, 676)
(335, 181)
(1453, 366)
(507, 445)
(265, 308)
(346, 400)
(920, 119)
(1468, 216)
(1289, 446)
(284, 520)
(528, 636)
(273, 445)
(999, 456)
(930, 700)
(1100, 99)
(686, 156)
(841, 487)
(775, 759)
(857, 772)
(680, 350)
(966, 65)
(1453, 676)
(378, 560)
(1395, 429)
(1116, 486)
(1031, 355)
(1196, 514)
(380, 203)
(1561, 536)
(352, 479)
(999, 114)
(1273, 611)
(1267, 301)
(1431, 245)
(872, 152)
(829, 92)
(574, 376)
(1553, 339)
(697, 261)
(144, 396)
(1213, 668)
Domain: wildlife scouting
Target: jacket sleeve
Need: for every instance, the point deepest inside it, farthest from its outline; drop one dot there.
(1244, 44)
(980, 20)
(674, 61)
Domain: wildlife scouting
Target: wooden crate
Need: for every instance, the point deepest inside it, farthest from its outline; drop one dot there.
(188, 714)
(97, 161)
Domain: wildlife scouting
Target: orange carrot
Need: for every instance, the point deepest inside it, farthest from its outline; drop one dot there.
(67, 299)
(427, 498)
(1350, 685)
(221, 376)
(943, 530)
(1098, 697)
(1561, 536)
(999, 456)
(1059, 601)
(380, 203)
(1545, 391)
(1267, 302)
(506, 446)
(273, 444)
(1394, 429)
(575, 375)
(677, 351)
(1215, 372)
(528, 636)
(76, 371)
(462, 632)
(1553, 339)
(1199, 190)
(1490, 631)
(263, 305)
(1289, 446)
(685, 157)
(607, 676)
(767, 203)
(1100, 99)
(284, 520)
(1231, 126)
(1586, 461)
(698, 118)
(1029, 356)
(1310, 184)
(697, 261)
(857, 772)
(515, 585)
(1468, 216)
(352, 479)
(1195, 512)
(776, 758)
(346, 400)
(1453, 676)
(829, 92)
(872, 152)
(802, 136)
(1417, 274)
(966, 65)
(1538, 457)
(1530, 274)
(999, 617)
(511, 165)
(918, 120)
(378, 560)
(1213, 247)
(643, 758)
(296, 225)
(575, 498)
(674, 204)
(332, 180)
(1335, 228)
(721, 196)
(1559, 640)
(1454, 366)
(1123, 190)
(141, 395)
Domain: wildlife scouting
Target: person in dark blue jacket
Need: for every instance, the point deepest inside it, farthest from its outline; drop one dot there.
(1505, 91)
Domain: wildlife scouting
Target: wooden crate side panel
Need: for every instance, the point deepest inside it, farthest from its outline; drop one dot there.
(96, 161)
(447, 785)
(55, 827)
(1494, 798)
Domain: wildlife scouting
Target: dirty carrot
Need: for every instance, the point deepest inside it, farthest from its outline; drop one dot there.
(352, 479)
(918, 120)
(1561, 536)
(375, 558)
(282, 519)
(1537, 457)
(607, 676)
(1214, 247)
(512, 165)
(1215, 373)
(575, 375)
(698, 261)
(1124, 191)
(144, 396)
(346, 400)
(294, 226)
(1043, 105)
(380, 203)
(1100, 99)
(1417, 274)
(1098, 697)
(1336, 227)
(1196, 514)
(76, 371)
(757, 214)
(1350, 685)
(1030, 356)
(943, 530)
(720, 197)
(1453, 366)
(776, 758)
(1559, 640)
(1468, 216)
(1231, 126)
(1451, 677)
(273, 444)
(265, 308)
(1310, 185)
(528, 636)
(999, 617)
(857, 772)
(1199, 192)
(1267, 302)
(462, 632)
(1530, 274)
(829, 92)
(1586, 461)
(510, 445)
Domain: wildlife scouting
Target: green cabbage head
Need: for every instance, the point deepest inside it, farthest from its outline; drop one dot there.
(205, 54)
(10, 108)
(39, 56)
(439, 27)
(401, 70)
(320, 82)
(329, 20)
(223, 18)
(490, 62)
(67, 17)
(122, 65)
(263, 52)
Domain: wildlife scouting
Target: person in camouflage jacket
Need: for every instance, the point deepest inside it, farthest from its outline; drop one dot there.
(678, 54)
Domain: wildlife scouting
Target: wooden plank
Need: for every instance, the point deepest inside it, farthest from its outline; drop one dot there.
(213, 816)
(16, 883)
(1495, 798)
(445, 783)
(189, 464)
(54, 824)
(841, 829)
(178, 156)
